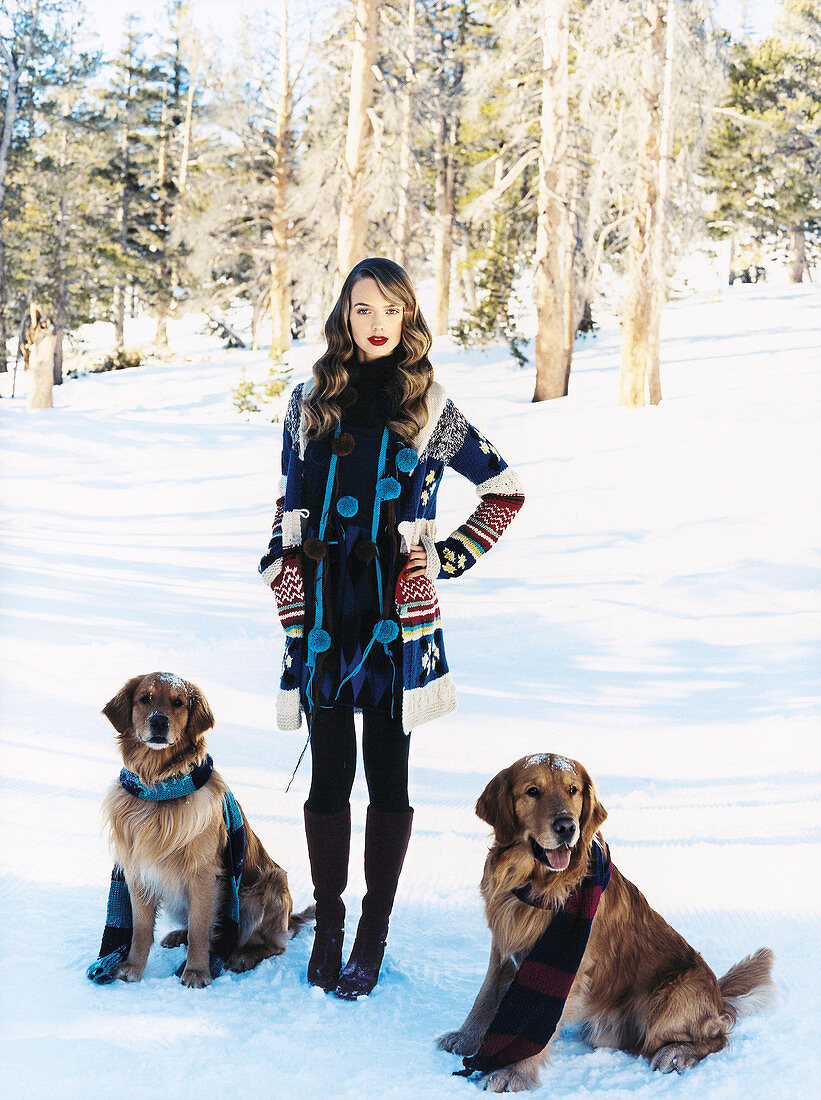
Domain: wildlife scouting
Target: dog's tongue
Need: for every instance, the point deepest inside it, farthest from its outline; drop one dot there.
(558, 858)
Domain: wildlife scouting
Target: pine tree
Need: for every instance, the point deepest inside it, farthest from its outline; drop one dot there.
(247, 223)
(177, 92)
(57, 222)
(132, 104)
(24, 47)
(764, 155)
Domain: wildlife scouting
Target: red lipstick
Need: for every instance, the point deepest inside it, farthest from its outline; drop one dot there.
(378, 340)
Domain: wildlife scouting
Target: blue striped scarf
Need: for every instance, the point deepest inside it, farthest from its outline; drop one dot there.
(116, 942)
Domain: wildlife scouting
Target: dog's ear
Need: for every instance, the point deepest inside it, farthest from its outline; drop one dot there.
(200, 717)
(593, 813)
(495, 806)
(118, 709)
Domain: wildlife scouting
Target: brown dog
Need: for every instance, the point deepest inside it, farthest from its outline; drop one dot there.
(640, 987)
(171, 852)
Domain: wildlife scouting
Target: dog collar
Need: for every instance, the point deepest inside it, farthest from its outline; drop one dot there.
(525, 894)
(177, 787)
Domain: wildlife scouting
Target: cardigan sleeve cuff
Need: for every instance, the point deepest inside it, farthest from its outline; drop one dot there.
(433, 566)
(271, 572)
(507, 483)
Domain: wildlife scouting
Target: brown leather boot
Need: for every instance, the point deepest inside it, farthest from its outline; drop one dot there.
(387, 835)
(329, 845)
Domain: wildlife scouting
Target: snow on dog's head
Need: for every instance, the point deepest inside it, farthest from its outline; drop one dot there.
(159, 714)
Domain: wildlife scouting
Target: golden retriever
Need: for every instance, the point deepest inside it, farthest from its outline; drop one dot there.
(640, 987)
(171, 851)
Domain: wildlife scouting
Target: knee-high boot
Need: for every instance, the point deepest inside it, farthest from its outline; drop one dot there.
(387, 835)
(329, 845)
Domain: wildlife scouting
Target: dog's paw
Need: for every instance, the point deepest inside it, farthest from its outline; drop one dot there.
(457, 1042)
(196, 978)
(674, 1057)
(129, 972)
(515, 1078)
(177, 938)
(243, 961)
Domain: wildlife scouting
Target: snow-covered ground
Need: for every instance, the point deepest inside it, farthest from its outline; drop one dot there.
(653, 611)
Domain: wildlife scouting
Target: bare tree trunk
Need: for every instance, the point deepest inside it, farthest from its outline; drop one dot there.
(468, 281)
(405, 143)
(185, 156)
(4, 336)
(185, 159)
(61, 236)
(163, 296)
(554, 252)
(444, 196)
(641, 311)
(660, 235)
(39, 355)
(798, 255)
(280, 263)
(118, 313)
(444, 160)
(60, 294)
(16, 66)
(353, 215)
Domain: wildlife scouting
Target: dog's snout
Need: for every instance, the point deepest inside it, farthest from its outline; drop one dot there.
(564, 827)
(158, 726)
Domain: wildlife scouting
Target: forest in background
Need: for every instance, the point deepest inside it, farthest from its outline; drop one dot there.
(499, 149)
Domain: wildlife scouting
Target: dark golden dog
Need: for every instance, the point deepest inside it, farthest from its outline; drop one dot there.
(171, 852)
(640, 987)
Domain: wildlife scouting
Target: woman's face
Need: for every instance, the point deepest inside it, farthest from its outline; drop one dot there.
(376, 323)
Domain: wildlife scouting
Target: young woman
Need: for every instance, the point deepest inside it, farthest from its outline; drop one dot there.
(352, 561)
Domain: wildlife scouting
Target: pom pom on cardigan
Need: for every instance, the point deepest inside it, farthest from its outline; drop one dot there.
(365, 550)
(385, 631)
(343, 444)
(315, 549)
(388, 488)
(406, 460)
(319, 640)
(347, 506)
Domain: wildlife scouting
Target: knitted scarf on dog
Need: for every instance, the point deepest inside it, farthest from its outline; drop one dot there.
(116, 941)
(533, 1004)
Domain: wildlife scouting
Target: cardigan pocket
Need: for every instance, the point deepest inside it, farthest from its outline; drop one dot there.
(290, 596)
(417, 606)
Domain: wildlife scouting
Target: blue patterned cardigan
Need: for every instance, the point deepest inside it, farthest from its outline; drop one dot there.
(446, 440)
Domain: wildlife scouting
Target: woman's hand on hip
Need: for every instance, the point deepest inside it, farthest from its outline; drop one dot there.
(417, 562)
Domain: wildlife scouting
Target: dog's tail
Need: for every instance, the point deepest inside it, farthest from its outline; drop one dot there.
(298, 921)
(748, 987)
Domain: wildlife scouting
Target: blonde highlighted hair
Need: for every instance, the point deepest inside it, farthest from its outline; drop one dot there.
(413, 375)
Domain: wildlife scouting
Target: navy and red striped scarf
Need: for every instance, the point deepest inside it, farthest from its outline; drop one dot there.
(533, 1004)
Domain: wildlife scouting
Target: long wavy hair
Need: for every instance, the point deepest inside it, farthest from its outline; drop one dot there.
(412, 377)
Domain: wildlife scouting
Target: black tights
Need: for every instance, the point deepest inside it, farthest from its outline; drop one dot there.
(385, 748)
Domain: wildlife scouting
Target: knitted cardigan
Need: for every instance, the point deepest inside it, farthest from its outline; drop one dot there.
(447, 439)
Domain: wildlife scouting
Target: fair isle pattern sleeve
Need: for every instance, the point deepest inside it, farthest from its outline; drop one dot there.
(501, 494)
(271, 564)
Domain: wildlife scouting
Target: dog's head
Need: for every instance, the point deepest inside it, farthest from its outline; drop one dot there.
(160, 713)
(547, 803)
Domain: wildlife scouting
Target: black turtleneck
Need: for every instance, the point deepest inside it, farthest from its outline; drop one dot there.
(370, 382)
